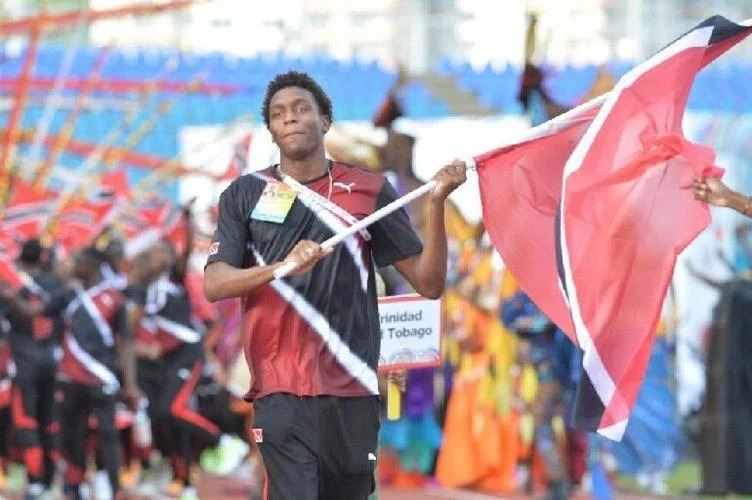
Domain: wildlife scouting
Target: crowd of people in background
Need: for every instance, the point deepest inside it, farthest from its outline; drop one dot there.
(109, 376)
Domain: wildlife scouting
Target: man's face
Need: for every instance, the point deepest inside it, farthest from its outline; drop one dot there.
(295, 123)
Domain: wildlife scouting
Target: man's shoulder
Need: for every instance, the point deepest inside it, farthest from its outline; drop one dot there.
(248, 183)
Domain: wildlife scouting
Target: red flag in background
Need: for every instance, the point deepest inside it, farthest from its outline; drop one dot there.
(590, 212)
(27, 210)
(82, 221)
(152, 221)
(114, 185)
(9, 249)
(240, 159)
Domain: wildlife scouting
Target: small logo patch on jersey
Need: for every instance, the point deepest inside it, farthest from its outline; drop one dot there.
(258, 435)
(346, 187)
(371, 457)
(214, 248)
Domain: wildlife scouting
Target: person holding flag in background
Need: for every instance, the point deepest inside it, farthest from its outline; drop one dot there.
(715, 192)
(313, 338)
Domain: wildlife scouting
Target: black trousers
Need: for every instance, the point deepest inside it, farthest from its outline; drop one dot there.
(79, 402)
(176, 409)
(34, 417)
(151, 376)
(5, 428)
(317, 448)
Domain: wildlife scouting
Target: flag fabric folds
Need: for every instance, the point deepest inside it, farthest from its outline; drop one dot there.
(591, 209)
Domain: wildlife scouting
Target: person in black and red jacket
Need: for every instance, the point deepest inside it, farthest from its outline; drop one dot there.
(179, 348)
(34, 342)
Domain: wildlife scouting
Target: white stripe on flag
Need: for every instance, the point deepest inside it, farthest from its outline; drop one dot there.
(615, 431)
(602, 382)
(355, 366)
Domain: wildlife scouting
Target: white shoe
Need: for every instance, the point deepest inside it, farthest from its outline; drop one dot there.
(189, 493)
(231, 452)
(101, 487)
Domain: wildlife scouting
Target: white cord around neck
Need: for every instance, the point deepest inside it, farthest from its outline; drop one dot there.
(284, 174)
(317, 199)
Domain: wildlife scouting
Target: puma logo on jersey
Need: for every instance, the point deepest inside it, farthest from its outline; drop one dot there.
(346, 187)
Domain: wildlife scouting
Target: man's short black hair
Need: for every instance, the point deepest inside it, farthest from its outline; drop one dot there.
(297, 79)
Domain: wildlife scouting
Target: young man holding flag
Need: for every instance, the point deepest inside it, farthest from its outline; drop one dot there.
(313, 338)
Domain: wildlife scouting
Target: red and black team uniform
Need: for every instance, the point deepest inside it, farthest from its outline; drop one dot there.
(312, 341)
(150, 375)
(167, 314)
(95, 320)
(34, 347)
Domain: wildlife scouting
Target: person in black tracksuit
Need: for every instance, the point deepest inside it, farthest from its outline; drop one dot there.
(167, 312)
(35, 345)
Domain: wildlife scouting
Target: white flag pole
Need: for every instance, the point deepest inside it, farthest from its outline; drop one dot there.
(286, 269)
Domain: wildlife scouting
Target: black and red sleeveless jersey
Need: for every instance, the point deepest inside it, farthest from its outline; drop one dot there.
(316, 333)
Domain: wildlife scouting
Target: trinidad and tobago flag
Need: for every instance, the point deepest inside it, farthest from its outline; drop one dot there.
(590, 211)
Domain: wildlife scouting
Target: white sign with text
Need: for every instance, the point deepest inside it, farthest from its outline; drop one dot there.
(410, 332)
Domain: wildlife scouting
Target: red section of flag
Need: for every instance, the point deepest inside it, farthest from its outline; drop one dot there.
(520, 187)
(114, 184)
(240, 159)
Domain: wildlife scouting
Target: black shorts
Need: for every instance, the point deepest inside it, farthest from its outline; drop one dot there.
(320, 447)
